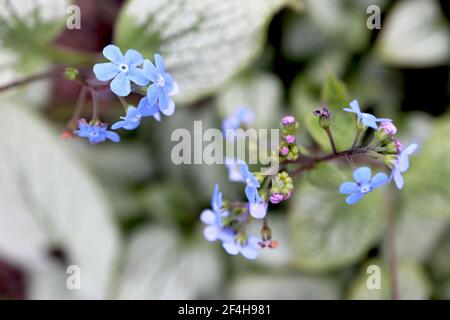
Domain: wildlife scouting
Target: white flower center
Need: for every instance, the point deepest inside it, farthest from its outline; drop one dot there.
(161, 81)
(364, 188)
(123, 67)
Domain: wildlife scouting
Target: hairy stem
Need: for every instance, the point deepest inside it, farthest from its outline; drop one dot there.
(357, 137)
(32, 78)
(330, 137)
(392, 255)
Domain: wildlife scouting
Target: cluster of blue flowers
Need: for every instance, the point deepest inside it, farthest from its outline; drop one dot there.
(395, 156)
(127, 75)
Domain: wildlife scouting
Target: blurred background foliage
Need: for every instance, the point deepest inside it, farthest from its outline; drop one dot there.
(129, 217)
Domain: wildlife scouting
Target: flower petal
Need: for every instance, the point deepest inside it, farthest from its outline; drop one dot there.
(137, 76)
(163, 100)
(114, 137)
(211, 233)
(170, 109)
(146, 109)
(105, 71)
(121, 85)
(208, 216)
(159, 61)
(231, 248)
(249, 252)
(258, 210)
(133, 58)
(355, 106)
(348, 187)
(362, 175)
(157, 116)
(379, 179)
(150, 71)
(410, 149)
(399, 181)
(113, 53)
(354, 198)
(118, 125)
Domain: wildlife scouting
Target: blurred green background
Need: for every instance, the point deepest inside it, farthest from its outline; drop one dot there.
(130, 218)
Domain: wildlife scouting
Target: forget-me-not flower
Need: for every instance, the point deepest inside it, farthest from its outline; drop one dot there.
(401, 165)
(256, 206)
(148, 109)
(364, 183)
(163, 86)
(122, 69)
(249, 249)
(131, 121)
(241, 115)
(95, 133)
(366, 119)
(213, 219)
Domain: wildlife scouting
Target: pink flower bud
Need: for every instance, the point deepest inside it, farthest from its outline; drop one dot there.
(287, 196)
(276, 198)
(287, 120)
(388, 127)
(284, 151)
(289, 139)
(398, 145)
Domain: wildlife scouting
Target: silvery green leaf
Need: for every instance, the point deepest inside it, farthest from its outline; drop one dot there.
(415, 34)
(288, 286)
(260, 92)
(413, 283)
(205, 42)
(327, 233)
(48, 200)
(159, 264)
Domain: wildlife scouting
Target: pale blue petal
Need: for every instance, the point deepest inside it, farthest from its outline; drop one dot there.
(133, 58)
(159, 61)
(231, 248)
(348, 187)
(118, 125)
(410, 149)
(105, 71)
(121, 85)
(355, 106)
(114, 54)
(349, 110)
(170, 109)
(152, 94)
(208, 217)
(163, 100)
(398, 179)
(249, 252)
(146, 109)
(114, 137)
(354, 198)
(226, 235)
(150, 71)
(379, 179)
(137, 76)
(211, 233)
(157, 116)
(362, 175)
(258, 210)
(132, 125)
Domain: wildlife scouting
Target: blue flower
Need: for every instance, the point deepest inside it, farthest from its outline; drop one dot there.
(163, 86)
(234, 170)
(363, 184)
(366, 119)
(248, 248)
(95, 133)
(241, 115)
(122, 69)
(213, 219)
(247, 176)
(130, 122)
(402, 165)
(256, 206)
(148, 109)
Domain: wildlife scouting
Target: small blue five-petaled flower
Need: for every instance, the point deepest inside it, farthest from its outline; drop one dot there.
(364, 183)
(402, 165)
(213, 219)
(122, 69)
(95, 133)
(257, 206)
(163, 86)
(249, 249)
(366, 119)
(131, 121)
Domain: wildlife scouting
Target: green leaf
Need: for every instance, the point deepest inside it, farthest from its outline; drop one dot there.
(334, 95)
(48, 200)
(325, 175)
(288, 286)
(413, 283)
(415, 34)
(161, 265)
(426, 182)
(327, 233)
(259, 91)
(26, 29)
(205, 43)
